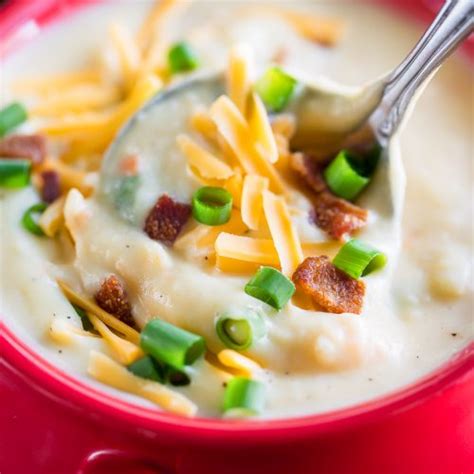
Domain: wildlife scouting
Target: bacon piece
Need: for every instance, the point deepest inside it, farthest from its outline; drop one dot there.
(310, 170)
(31, 147)
(334, 215)
(337, 216)
(113, 298)
(166, 219)
(329, 287)
(51, 188)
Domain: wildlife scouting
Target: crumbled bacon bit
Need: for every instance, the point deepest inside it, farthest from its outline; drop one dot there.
(113, 298)
(166, 219)
(51, 188)
(310, 171)
(329, 287)
(337, 216)
(31, 147)
(334, 215)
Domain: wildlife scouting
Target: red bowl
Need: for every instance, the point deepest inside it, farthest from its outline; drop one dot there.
(68, 426)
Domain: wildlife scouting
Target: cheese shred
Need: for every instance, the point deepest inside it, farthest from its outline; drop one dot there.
(106, 370)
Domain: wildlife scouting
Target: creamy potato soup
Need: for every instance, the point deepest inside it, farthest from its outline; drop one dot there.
(190, 257)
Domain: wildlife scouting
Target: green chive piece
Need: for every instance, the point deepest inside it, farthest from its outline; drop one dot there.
(271, 287)
(170, 344)
(212, 206)
(11, 116)
(86, 322)
(125, 195)
(147, 368)
(177, 378)
(14, 173)
(239, 332)
(359, 259)
(182, 58)
(29, 222)
(275, 88)
(343, 178)
(243, 397)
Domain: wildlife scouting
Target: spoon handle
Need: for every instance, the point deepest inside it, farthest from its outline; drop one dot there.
(454, 22)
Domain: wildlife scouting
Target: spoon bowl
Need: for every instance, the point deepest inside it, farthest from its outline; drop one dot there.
(328, 119)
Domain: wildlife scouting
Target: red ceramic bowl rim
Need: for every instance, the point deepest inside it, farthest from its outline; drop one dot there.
(62, 386)
(65, 387)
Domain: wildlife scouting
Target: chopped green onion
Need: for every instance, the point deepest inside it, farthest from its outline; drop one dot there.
(177, 378)
(11, 116)
(171, 345)
(212, 206)
(271, 287)
(243, 397)
(29, 223)
(125, 195)
(343, 178)
(14, 173)
(182, 58)
(275, 88)
(86, 322)
(147, 368)
(359, 259)
(238, 332)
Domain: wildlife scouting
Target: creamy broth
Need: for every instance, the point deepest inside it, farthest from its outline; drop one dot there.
(418, 310)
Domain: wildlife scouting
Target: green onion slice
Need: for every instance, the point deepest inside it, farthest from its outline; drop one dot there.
(147, 368)
(29, 222)
(271, 287)
(359, 259)
(182, 58)
(86, 322)
(14, 173)
(11, 116)
(275, 88)
(176, 377)
(212, 206)
(243, 397)
(343, 178)
(171, 345)
(125, 196)
(239, 332)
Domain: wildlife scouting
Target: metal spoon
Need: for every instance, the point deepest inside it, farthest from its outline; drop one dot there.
(326, 119)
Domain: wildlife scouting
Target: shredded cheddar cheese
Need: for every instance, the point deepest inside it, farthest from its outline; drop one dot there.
(261, 251)
(125, 351)
(80, 99)
(234, 186)
(70, 177)
(52, 83)
(53, 218)
(203, 124)
(235, 130)
(238, 76)
(207, 165)
(106, 370)
(127, 51)
(128, 333)
(283, 232)
(261, 129)
(252, 200)
(238, 267)
(242, 364)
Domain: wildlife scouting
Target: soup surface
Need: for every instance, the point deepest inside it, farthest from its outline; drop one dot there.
(417, 311)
